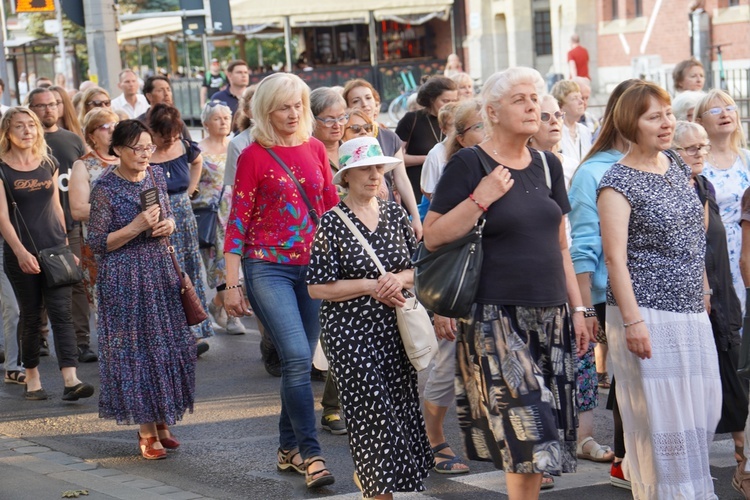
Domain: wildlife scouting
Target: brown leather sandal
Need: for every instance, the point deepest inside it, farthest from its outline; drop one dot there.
(319, 478)
(286, 461)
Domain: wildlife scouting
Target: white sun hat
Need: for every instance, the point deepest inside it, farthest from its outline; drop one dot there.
(362, 152)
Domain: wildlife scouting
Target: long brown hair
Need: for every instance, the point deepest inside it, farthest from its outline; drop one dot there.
(69, 119)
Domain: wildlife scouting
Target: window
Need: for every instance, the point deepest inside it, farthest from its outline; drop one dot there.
(638, 8)
(615, 10)
(542, 33)
(733, 3)
(634, 9)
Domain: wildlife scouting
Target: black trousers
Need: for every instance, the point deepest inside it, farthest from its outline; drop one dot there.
(81, 311)
(619, 436)
(32, 294)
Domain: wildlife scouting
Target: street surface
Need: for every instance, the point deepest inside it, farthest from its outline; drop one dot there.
(229, 445)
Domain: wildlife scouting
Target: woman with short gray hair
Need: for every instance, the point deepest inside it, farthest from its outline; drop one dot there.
(527, 324)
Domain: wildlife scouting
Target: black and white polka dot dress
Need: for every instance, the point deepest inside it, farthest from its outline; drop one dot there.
(377, 384)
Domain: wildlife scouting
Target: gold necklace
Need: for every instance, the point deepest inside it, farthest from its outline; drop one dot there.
(432, 129)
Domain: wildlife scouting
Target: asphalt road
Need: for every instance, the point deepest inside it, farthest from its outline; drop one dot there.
(229, 442)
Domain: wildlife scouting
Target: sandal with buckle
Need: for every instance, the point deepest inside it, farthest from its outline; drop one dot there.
(597, 453)
(550, 481)
(146, 445)
(166, 437)
(446, 466)
(319, 478)
(286, 461)
(15, 377)
(603, 380)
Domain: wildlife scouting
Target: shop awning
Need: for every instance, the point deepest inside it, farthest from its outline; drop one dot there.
(303, 13)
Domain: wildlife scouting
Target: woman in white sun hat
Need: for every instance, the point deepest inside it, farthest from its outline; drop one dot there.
(377, 384)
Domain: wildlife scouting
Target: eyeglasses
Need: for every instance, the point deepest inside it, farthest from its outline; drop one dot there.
(216, 103)
(107, 126)
(143, 150)
(694, 150)
(50, 105)
(329, 122)
(99, 104)
(367, 127)
(478, 126)
(717, 111)
(59, 103)
(559, 115)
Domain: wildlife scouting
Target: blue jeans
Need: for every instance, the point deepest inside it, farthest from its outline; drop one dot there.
(278, 294)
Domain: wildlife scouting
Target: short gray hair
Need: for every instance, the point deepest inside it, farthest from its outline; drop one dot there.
(685, 101)
(682, 128)
(323, 98)
(212, 107)
(500, 83)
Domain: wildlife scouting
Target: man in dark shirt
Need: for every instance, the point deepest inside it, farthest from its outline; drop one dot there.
(238, 74)
(66, 147)
(214, 81)
(157, 89)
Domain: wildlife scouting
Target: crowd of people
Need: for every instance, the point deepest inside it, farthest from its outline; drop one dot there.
(615, 256)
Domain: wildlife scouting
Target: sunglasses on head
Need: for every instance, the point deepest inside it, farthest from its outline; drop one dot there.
(559, 115)
(367, 127)
(107, 126)
(99, 104)
(212, 104)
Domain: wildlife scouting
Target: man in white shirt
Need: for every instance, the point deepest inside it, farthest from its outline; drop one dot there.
(130, 101)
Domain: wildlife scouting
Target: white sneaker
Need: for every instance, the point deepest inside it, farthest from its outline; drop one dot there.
(234, 326)
(219, 314)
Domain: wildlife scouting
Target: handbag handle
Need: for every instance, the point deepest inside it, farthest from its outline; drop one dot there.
(313, 213)
(362, 241)
(170, 248)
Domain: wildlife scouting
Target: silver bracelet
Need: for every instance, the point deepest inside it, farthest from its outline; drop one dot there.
(625, 325)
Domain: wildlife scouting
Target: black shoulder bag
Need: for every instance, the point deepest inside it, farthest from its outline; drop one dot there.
(207, 219)
(313, 213)
(58, 263)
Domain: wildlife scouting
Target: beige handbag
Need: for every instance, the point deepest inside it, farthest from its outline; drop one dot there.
(414, 325)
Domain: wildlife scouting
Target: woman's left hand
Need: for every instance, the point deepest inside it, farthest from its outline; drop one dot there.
(389, 286)
(162, 228)
(582, 333)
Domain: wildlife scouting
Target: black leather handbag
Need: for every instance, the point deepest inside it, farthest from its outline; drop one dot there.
(743, 365)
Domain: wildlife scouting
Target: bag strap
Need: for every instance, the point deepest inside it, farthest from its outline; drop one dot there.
(362, 241)
(547, 176)
(310, 209)
(170, 248)
(16, 212)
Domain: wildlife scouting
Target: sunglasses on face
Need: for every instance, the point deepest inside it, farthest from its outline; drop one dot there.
(367, 127)
(559, 115)
(717, 111)
(143, 150)
(329, 122)
(99, 104)
(694, 150)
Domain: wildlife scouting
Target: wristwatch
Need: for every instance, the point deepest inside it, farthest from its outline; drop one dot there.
(710, 291)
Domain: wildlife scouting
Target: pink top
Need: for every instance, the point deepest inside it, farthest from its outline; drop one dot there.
(269, 219)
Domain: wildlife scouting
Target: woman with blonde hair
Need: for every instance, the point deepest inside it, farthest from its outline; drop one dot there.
(465, 85)
(727, 168)
(98, 126)
(688, 75)
(283, 184)
(94, 97)
(66, 112)
(527, 310)
(24, 162)
(660, 343)
(576, 137)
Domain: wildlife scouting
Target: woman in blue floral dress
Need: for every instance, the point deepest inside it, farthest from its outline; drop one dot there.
(728, 169)
(146, 350)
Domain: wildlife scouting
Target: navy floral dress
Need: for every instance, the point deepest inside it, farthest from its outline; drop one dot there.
(146, 351)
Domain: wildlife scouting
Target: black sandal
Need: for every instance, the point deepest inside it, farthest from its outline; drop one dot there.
(286, 461)
(15, 377)
(318, 478)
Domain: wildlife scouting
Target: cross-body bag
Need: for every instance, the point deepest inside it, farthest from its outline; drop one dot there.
(313, 213)
(191, 303)
(207, 219)
(446, 280)
(58, 263)
(414, 325)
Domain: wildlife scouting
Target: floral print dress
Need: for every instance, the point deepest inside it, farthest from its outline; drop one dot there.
(730, 185)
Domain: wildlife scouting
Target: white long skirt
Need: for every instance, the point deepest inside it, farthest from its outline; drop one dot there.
(670, 404)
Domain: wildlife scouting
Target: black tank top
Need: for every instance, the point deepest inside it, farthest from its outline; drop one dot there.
(33, 192)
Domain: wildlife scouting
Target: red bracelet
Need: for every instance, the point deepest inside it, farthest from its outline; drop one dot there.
(471, 197)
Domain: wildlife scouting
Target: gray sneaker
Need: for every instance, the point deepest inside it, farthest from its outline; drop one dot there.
(219, 314)
(333, 423)
(234, 326)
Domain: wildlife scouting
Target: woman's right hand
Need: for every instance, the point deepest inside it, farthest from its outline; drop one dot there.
(639, 340)
(235, 303)
(28, 263)
(148, 218)
(492, 187)
(445, 328)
